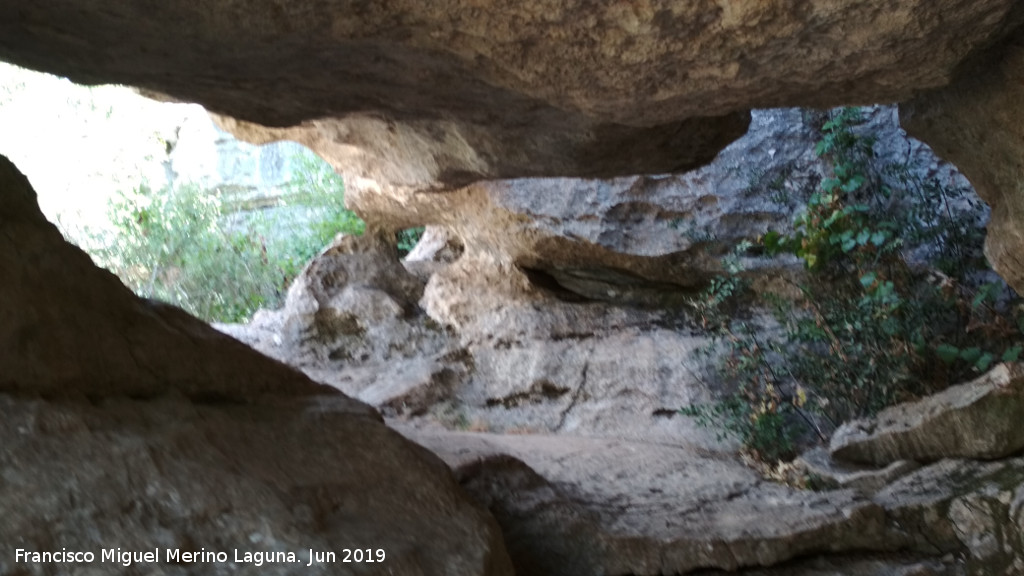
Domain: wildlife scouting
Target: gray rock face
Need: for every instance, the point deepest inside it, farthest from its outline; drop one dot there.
(651, 226)
(130, 424)
(592, 506)
(965, 507)
(980, 419)
(559, 298)
(588, 506)
(533, 306)
(535, 363)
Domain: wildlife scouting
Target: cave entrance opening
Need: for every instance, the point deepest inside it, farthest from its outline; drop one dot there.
(180, 210)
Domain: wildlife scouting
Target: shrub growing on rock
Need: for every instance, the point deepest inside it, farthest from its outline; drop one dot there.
(896, 303)
(183, 247)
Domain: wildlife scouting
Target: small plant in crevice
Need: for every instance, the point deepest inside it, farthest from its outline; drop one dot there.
(873, 326)
(407, 239)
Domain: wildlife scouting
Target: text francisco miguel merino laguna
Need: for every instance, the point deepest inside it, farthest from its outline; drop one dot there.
(257, 558)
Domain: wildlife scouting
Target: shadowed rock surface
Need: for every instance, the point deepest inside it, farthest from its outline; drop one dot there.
(978, 123)
(282, 476)
(438, 95)
(590, 506)
(135, 426)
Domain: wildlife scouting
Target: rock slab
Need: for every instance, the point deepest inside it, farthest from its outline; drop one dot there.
(980, 420)
(584, 506)
(283, 476)
(437, 95)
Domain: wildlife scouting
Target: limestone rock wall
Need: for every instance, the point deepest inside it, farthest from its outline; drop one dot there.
(560, 304)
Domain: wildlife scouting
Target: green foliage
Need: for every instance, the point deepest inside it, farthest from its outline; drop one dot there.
(407, 239)
(870, 330)
(762, 427)
(757, 412)
(182, 247)
(321, 190)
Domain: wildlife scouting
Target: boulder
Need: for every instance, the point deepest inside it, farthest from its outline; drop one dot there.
(129, 424)
(354, 287)
(352, 320)
(980, 419)
(284, 476)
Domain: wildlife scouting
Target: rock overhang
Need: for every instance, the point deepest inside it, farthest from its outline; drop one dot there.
(437, 95)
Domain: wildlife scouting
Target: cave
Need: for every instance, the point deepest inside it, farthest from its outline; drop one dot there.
(505, 398)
